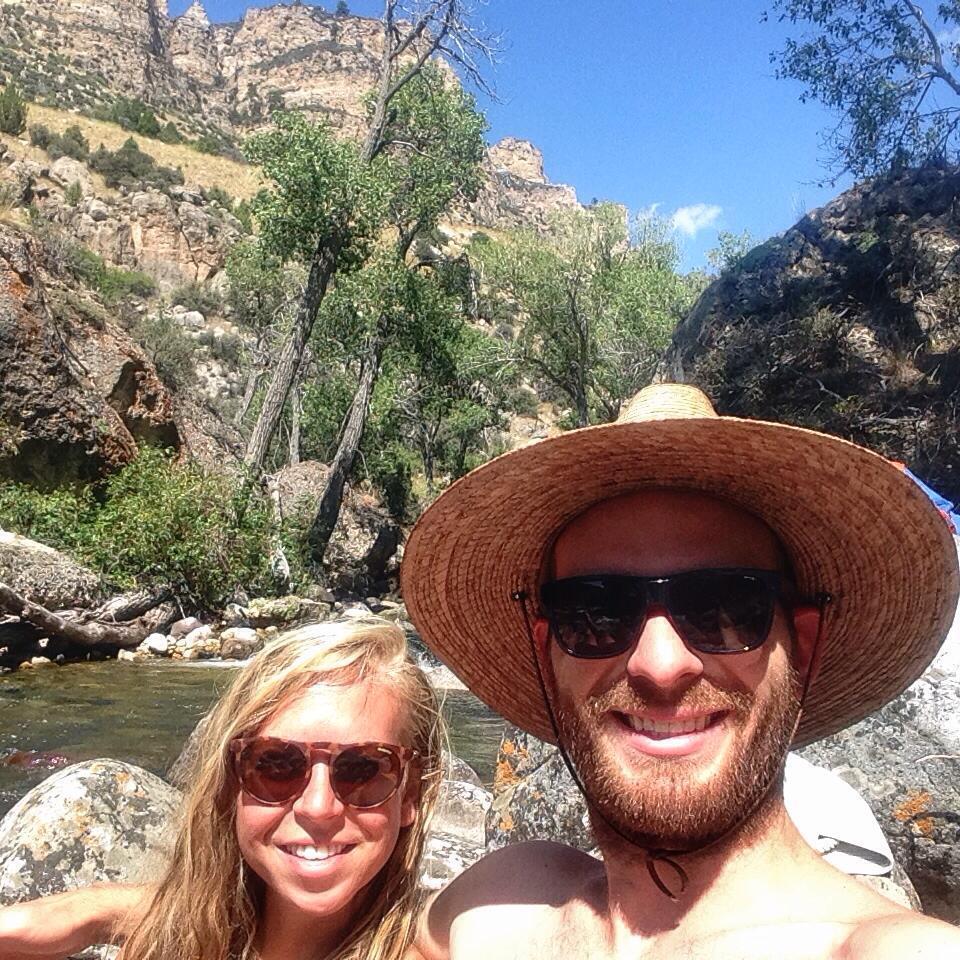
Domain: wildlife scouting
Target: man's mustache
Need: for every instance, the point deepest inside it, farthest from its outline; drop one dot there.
(703, 697)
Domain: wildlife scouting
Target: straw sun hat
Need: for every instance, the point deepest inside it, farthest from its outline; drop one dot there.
(853, 524)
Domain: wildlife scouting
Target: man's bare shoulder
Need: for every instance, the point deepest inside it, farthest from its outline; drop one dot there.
(522, 879)
(537, 868)
(903, 935)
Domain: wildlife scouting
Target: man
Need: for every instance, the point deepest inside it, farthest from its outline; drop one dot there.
(675, 599)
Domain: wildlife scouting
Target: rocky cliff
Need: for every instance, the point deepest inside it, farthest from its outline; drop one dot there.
(76, 393)
(227, 78)
(849, 323)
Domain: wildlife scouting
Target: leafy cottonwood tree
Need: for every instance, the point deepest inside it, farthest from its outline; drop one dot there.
(330, 197)
(890, 69)
(596, 306)
(430, 155)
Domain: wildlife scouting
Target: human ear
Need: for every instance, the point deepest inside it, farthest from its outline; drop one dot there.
(807, 640)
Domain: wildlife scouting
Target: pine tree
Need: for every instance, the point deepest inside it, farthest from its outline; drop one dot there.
(343, 9)
(13, 110)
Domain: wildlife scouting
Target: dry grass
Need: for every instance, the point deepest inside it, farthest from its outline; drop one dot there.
(238, 179)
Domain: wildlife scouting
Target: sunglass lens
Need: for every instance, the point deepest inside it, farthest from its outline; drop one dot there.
(722, 612)
(273, 771)
(594, 617)
(366, 776)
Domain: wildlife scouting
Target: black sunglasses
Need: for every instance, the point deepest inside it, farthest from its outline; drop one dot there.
(276, 771)
(714, 611)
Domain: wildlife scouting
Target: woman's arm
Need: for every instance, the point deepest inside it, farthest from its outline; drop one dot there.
(55, 927)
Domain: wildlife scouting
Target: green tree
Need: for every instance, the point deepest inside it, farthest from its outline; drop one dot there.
(411, 36)
(343, 8)
(730, 250)
(13, 110)
(889, 69)
(593, 305)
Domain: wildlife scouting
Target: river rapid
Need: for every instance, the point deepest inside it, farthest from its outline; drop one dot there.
(143, 713)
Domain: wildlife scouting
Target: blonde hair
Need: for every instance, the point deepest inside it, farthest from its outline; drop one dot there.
(208, 905)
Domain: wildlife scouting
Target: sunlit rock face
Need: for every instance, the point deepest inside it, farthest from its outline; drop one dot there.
(228, 78)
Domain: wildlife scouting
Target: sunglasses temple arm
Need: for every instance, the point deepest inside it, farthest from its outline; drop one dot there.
(653, 856)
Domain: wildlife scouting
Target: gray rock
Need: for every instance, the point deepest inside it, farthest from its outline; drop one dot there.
(234, 616)
(905, 761)
(157, 644)
(97, 821)
(182, 627)
(45, 576)
(284, 611)
(456, 769)
(462, 810)
(446, 857)
(192, 319)
(239, 643)
(65, 171)
(98, 211)
(534, 796)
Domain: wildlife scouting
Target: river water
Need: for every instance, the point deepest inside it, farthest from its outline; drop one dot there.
(143, 713)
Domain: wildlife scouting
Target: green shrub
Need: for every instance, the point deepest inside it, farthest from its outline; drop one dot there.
(112, 283)
(218, 195)
(73, 194)
(170, 134)
(169, 346)
(13, 110)
(131, 167)
(40, 135)
(196, 296)
(208, 144)
(155, 522)
(135, 115)
(70, 143)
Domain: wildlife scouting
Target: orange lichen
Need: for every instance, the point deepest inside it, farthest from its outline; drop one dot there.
(506, 822)
(916, 802)
(504, 776)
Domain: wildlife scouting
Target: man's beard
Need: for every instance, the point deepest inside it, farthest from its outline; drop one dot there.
(660, 804)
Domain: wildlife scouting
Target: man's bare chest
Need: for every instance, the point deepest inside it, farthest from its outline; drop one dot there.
(550, 933)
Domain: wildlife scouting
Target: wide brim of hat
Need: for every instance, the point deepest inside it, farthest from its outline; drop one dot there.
(854, 525)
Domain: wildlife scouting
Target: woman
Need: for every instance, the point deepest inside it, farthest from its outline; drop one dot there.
(312, 788)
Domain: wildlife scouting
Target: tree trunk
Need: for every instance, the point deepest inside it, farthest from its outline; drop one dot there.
(322, 269)
(328, 512)
(296, 416)
(72, 627)
(250, 391)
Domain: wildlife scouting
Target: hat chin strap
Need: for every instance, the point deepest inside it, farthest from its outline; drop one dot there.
(657, 856)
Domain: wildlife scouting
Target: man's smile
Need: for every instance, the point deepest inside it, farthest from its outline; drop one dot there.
(673, 736)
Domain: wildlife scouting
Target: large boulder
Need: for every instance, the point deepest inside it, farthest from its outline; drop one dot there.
(845, 323)
(97, 821)
(905, 761)
(76, 393)
(46, 576)
(362, 556)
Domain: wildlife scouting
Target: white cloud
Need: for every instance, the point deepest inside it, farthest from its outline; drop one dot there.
(691, 220)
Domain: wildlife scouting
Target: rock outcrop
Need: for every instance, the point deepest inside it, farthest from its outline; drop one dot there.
(76, 393)
(515, 191)
(174, 237)
(102, 820)
(846, 323)
(45, 576)
(226, 79)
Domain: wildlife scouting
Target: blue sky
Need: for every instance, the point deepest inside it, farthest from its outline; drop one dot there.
(671, 103)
